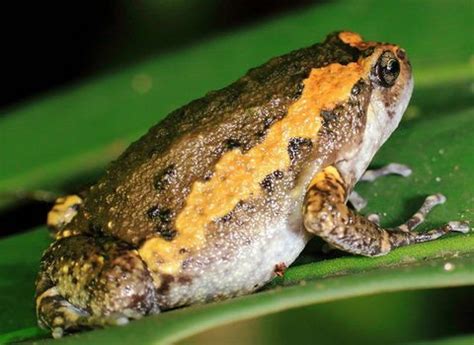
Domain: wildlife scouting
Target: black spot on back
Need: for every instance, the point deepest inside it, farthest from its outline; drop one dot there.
(163, 217)
(268, 183)
(167, 232)
(298, 147)
(227, 145)
(232, 143)
(327, 115)
(299, 91)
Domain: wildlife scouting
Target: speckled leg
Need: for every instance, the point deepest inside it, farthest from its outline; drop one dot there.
(88, 282)
(326, 215)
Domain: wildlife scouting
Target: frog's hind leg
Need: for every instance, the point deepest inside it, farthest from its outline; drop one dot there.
(87, 282)
(326, 215)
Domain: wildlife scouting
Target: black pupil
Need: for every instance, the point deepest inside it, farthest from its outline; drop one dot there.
(387, 69)
(393, 66)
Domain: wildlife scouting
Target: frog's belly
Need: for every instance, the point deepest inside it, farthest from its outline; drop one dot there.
(236, 264)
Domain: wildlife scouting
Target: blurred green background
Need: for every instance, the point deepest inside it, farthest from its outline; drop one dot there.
(84, 82)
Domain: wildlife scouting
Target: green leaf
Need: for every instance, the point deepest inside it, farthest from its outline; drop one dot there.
(54, 141)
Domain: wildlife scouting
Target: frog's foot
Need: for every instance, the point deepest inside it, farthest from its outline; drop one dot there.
(57, 314)
(326, 215)
(63, 211)
(86, 282)
(389, 169)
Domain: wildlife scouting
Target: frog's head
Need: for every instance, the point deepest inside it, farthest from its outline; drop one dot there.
(387, 70)
(392, 84)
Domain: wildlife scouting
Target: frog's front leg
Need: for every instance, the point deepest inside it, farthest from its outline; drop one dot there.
(325, 214)
(88, 282)
(357, 201)
(389, 169)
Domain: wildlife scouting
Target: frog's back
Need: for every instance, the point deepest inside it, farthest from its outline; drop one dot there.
(146, 188)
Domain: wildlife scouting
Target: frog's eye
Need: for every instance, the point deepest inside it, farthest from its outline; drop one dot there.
(387, 69)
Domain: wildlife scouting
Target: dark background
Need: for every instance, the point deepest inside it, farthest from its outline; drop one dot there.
(47, 45)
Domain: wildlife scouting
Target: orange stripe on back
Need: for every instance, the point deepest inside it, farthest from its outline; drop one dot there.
(237, 175)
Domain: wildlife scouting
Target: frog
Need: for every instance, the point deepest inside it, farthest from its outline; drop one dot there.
(223, 194)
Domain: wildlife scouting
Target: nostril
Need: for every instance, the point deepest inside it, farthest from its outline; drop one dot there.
(401, 53)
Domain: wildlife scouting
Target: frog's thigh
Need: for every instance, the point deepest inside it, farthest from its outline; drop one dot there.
(86, 282)
(326, 215)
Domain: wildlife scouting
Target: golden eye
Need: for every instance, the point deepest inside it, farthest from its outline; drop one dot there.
(387, 69)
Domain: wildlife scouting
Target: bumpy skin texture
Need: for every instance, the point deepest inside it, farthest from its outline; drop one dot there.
(208, 204)
(160, 168)
(86, 267)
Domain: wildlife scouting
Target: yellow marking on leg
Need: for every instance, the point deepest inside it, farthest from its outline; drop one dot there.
(62, 212)
(329, 179)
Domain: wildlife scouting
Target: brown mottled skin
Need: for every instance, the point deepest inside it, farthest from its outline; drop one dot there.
(238, 116)
(120, 252)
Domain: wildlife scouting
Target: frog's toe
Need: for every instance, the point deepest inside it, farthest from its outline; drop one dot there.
(56, 313)
(457, 226)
